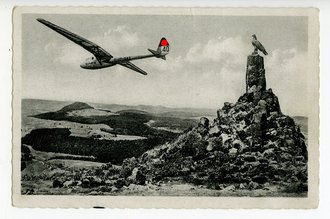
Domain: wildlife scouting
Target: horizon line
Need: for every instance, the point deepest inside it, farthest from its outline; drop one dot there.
(172, 107)
(199, 108)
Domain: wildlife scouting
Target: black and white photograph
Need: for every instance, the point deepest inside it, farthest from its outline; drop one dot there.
(199, 104)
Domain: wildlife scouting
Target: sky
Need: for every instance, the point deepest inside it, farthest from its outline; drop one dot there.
(206, 65)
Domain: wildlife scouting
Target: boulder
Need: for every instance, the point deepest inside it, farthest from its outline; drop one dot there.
(68, 183)
(285, 157)
(137, 177)
(214, 131)
(249, 158)
(96, 181)
(253, 185)
(214, 143)
(299, 158)
(252, 89)
(127, 167)
(58, 183)
(224, 138)
(238, 144)
(109, 182)
(233, 152)
(204, 122)
(85, 183)
(227, 106)
(242, 186)
(120, 183)
(229, 188)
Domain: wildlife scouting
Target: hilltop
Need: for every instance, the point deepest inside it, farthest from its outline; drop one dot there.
(75, 106)
(250, 145)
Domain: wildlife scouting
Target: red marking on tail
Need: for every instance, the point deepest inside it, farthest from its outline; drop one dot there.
(163, 42)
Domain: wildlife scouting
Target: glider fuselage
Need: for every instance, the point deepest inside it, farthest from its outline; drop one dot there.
(92, 63)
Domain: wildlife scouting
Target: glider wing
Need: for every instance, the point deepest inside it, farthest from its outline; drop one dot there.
(96, 50)
(133, 67)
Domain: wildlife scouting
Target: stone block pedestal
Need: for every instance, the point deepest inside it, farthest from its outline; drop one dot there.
(255, 72)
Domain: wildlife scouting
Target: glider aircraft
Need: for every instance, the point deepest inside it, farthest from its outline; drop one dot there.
(103, 59)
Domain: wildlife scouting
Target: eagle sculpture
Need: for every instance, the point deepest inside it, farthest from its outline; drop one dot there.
(257, 45)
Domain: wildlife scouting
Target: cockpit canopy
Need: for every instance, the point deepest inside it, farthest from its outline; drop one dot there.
(93, 63)
(91, 60)
(89, 63)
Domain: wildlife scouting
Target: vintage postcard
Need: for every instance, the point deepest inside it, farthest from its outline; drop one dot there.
(165, 107)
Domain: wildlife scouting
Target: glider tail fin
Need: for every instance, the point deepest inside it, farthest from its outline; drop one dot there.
(162, 50)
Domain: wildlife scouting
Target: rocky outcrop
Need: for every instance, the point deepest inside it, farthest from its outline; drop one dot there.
(251, 145)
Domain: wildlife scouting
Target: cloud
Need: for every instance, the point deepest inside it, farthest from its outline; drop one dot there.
(171, 65)
(226, 50)
(206, 76)
(217, 55)
(287, 74)
(119, 38)
(70, 54)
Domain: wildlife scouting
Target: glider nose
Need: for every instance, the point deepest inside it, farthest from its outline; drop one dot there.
(83, 65)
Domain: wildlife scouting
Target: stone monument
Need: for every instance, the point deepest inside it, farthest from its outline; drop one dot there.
(255, 72)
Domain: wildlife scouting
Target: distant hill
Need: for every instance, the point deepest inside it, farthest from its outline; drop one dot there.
(130, 121)
(75, 106)
(132, 111)
(77, 111)
(184, 112)
(161, 110)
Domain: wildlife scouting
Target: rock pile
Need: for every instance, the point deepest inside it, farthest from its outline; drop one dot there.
(250, 145)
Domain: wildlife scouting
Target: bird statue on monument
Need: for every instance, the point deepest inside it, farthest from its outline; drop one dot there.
(257, 46)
